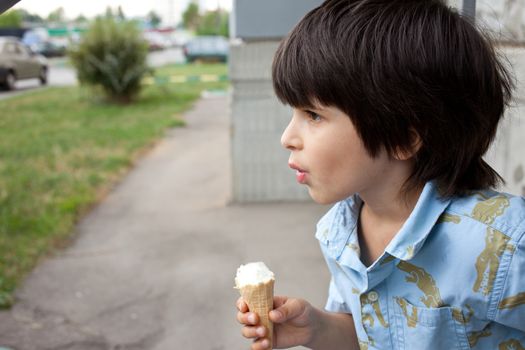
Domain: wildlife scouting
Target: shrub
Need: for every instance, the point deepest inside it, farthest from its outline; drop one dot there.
(112, 55)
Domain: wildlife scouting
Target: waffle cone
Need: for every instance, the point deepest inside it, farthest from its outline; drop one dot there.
(260, 300)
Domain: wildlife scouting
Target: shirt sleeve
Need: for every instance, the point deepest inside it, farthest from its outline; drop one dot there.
(335, 302)
(510, 307)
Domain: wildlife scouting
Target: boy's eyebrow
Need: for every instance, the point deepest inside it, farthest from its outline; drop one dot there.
(312, 111)
(315, 109)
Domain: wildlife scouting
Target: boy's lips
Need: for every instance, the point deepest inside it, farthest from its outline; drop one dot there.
(300, 173)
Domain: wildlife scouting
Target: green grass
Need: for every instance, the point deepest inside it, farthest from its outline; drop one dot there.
(61, 150)
(191, 69)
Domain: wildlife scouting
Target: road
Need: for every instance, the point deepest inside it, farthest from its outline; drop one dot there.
(62, 74)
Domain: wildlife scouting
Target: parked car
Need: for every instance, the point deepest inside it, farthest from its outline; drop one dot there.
(206, 48)
(17, 61)
(50, 49)
(156, 41)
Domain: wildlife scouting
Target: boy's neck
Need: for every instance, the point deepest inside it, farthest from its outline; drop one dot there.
(385, 209)
(385, 202)
(387, 206)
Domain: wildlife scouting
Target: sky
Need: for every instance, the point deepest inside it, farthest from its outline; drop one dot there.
(90, 8)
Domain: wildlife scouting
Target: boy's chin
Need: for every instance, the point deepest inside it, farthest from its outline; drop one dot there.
(320, 198)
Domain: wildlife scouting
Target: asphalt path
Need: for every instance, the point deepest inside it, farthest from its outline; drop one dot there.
(62, 74)
(152, 266)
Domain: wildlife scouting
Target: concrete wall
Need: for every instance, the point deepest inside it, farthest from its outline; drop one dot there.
(504, 18)
(507, 154)
(260, 170)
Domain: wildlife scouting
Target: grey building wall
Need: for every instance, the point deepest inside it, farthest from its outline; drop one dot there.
(260, 171)
(268, 19)
(504, 18)
(507, 154)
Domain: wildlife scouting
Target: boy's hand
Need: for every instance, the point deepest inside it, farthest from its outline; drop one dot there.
(293, 319)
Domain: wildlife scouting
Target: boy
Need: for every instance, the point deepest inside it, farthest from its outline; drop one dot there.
(394, 104)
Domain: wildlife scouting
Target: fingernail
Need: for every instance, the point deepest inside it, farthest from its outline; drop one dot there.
(265, 343)
(251, 318)
(260, 331)
(276, 314)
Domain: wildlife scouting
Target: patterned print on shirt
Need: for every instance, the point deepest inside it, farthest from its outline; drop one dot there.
(455, 219)
(410, 251)
(490, 208)
(411, 318)
(424, 281)
(457, 313)
(388, 259)
(513, 301)
(511, 344)
(495, 245)
(325, 234)
(474, 337)
(365, 300)
(363, 345)
(355, 248)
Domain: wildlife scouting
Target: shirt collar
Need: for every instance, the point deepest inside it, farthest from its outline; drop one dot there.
(412, 235)
(338, 228)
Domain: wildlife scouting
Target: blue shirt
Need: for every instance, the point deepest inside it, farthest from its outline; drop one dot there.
(453, 277)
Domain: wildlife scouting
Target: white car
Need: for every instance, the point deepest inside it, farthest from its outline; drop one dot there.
(17, 62)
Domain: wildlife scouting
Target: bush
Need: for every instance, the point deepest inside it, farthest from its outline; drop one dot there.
(112, 55)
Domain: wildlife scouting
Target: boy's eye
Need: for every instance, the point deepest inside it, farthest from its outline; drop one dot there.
(313, 116)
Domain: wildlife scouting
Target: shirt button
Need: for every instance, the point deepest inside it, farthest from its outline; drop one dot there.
(373, 296)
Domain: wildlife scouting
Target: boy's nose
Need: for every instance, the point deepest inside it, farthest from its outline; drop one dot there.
(290, 139)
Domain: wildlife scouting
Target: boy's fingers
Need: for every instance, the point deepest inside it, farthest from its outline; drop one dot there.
(290, 309)
(248, 318)
(279, 301)
(261, 344)
(241, 305)
(253, 332)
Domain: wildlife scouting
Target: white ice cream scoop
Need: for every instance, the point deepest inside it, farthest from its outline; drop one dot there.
(253, 274)
(255, 283)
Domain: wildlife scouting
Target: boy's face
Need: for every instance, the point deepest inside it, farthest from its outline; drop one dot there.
(329, 156)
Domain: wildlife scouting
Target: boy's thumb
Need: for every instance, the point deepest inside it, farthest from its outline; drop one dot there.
(290, 309)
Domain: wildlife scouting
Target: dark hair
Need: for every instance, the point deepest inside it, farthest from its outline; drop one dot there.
(399, 66)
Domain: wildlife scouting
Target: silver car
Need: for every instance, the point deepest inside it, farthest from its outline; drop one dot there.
(17, 62)
(206, 48)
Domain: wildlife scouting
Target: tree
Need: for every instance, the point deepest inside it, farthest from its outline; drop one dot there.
(120, 14)
(109, 12)
(31, 17)
(81, 19)
(214, 23)
(57, 16)
(11, 19)
(191, 16)
(154, 19)
(112, 56)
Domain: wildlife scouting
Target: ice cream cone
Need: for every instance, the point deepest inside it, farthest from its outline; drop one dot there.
(255, 283)
(259, 298)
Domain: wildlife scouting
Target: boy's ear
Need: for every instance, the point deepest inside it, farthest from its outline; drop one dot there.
(415, 145)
